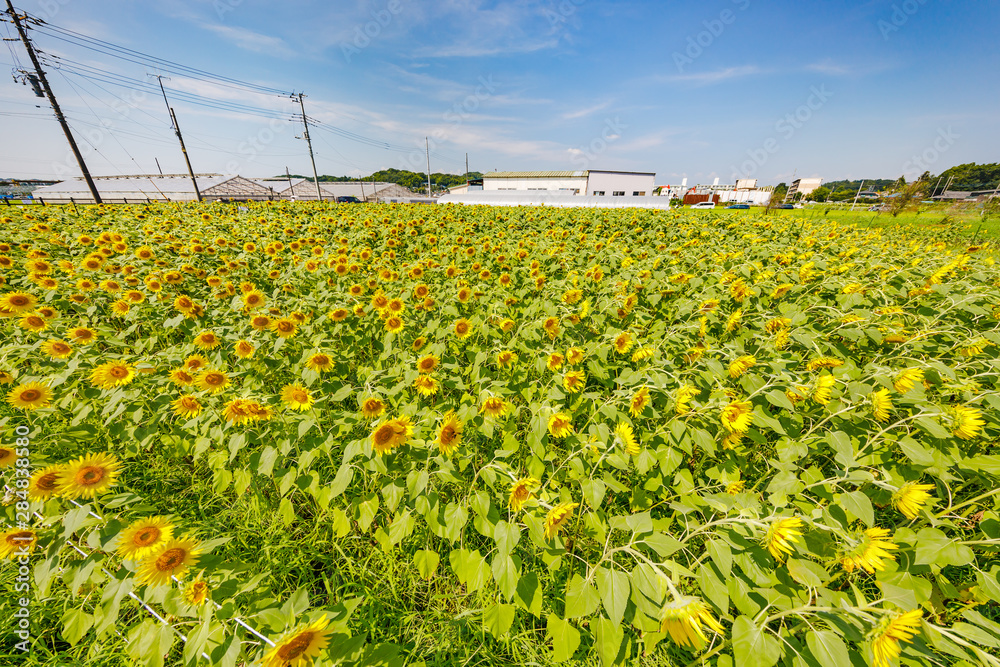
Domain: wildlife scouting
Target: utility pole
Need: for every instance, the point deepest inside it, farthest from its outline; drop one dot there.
(305, 122)
(427, 147)
(858, 195)
(177, 131)
(158, 167)
(291, 188)
(934, 191)
(55, 105)
(467, 172)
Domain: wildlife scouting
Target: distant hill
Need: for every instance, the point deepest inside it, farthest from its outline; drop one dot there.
(972, 176)
(408, 179)
(872, 184)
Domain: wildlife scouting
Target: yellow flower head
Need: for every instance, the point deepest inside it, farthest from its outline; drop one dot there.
(881, 405)
(684, 619)
(907, 378)
(574, 355)
(506, 359)
(44, 483)
(625, 438)
(17, 542)
(298, 647)
(186, 407)
(910, 498)
(890, 632)
(494, 406)
(684, 396)
(869, 551)
(640, 400)
(560, 425)
(737, 417)
(780, 536)
(144, 537)
(372, 407)
(449, 434)
(30, 396)
(741, 365)
(967, 423)
(172, 559)
(426, 385)
(196, 592)
(557, 518)
(574, 381)
(88, 476)
(554, 361)
(824, 384)
(296, 397)
(112, 374)
(521, 492)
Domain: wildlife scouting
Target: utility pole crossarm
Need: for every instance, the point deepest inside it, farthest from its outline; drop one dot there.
(55, 105)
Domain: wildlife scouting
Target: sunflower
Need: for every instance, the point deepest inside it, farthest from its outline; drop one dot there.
(88, 476)
(449, 434)
(575, 356)
(623, 342)
(298, 647)
(824, 383)
(521, 493)
(340, 314)
(741, 365)
(44, 482)
(780, 536)
(186, 407)
(625, 438)
(284, 327)
(426, 385)
(684, 395)
(494, 406)
(212, 381)
(557, 518)
(237, 411)
(181, 377)
(57, 349)
(112, 374)
(372, 407)
(320, 363)
(196, 592)
(8, 457)
(253, 300)
(684, 619)
(881, 405)
(83, 335)
(868, 551)
(33, 322)
(910, 498)
(640, 400)
(391, 434)
(260, 322)
(172, 559)
(144, 537)
(463, 329)
(18, 302)
(296, 397)
(551, 326)
(574, 381)
(967, 422)
(734, 321)
(737, 417)
(17, 542)
(506, 359)
(907, 379)
(890, 632)
(554, 361)
(30, 396)
(244, 349)
(560, 425)
(394, 324)
(196, 362)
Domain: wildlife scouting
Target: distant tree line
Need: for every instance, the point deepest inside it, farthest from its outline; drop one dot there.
(408, 179)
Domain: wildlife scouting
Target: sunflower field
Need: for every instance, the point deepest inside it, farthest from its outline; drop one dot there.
(309, 434)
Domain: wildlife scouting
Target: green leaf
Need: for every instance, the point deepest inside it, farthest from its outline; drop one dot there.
(507, 536)
(426, 562)
(76, 623)
(608, 640)
(752, 647)
(529, 593)
(663, 544)
(498, 618)
(828, 649)
(778, 398)
(565, 638)
(933, 428)
(581, 598)
(721, 555)
(841, 444)
(936, 548)
(860, 505)
(807, 572)
(506, 575)
(613, 586)
(903, 589)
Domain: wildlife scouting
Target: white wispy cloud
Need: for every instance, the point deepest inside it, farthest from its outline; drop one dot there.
(249, 40)
(582, 113)
(712, 77)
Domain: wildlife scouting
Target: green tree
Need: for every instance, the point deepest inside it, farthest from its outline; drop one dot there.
(820, 194)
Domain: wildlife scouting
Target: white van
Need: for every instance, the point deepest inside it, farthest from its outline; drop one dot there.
(704, 204)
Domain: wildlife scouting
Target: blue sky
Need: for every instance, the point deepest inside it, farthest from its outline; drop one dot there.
(720, 88)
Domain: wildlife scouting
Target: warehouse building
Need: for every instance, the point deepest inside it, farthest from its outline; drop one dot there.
(591, 183)
(803, 186)
(301, 189)
(167, 187)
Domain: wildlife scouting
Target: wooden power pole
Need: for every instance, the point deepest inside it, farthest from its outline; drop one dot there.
(180, 138)
(305, 122)
(52, 100)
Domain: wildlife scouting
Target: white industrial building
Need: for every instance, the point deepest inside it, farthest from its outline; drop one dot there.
(302, 189)
(167, 187)
(803, 186)
(552, 198)
(590, 183)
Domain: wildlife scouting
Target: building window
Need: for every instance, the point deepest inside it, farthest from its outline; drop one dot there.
(618, 193)
(538, 188)
(638, 194)
(598, 193)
